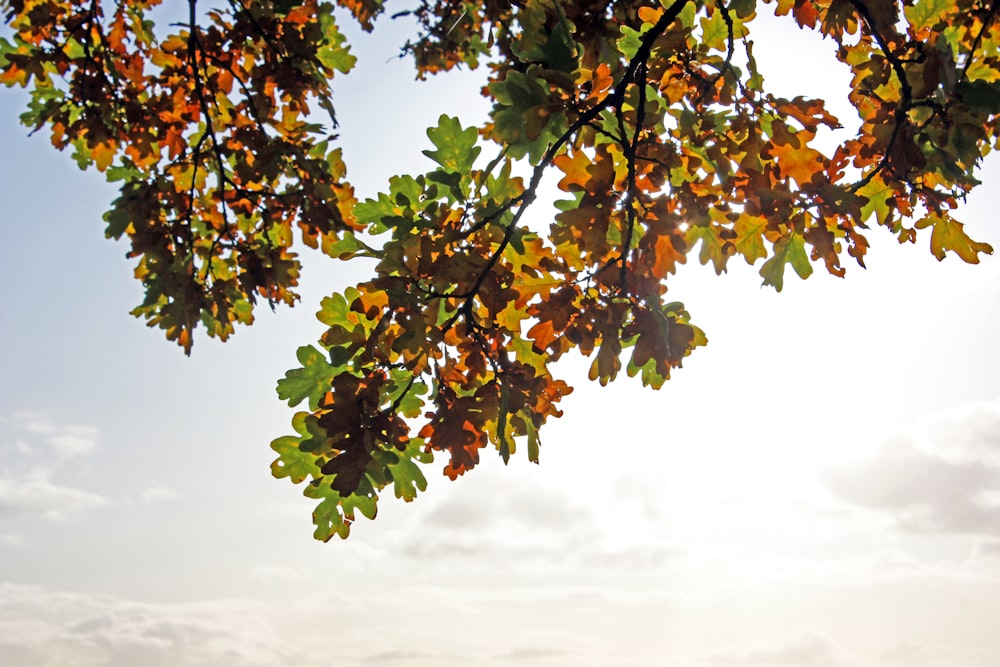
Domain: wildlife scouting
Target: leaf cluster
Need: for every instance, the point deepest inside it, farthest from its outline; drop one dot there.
(665, 139)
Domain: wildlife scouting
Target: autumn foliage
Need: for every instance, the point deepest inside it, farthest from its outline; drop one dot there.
(665, 139)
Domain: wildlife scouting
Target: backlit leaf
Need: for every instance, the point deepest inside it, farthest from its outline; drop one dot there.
(311, 381)
(456, 148)
(787, 250)
(949, 234)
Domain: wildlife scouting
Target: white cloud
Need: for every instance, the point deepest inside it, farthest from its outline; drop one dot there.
(499, 517)
(942, 478)
(35, 493)
(920, 655)
(11, 540)
(47, 628)
(281, 574)
(159, 492)
(990, 548)
(74, 441)
(806, 650)
(64, 440)
(909, 655)
(516, 655)
(514, 520)
(968, 433)
(399, 657)
(37, 475)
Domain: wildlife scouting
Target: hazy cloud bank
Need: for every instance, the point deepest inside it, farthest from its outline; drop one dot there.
(45, 628)
(942, 478)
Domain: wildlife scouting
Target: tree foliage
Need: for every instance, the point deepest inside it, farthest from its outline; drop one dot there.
(665, 140)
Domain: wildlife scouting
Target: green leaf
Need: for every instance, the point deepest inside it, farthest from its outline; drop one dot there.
(118, 220)
(122, 173)
(346, 247)
(334, 514)
(311, 381)
(412, 405)
(715, 32)
(553, 46)
(7, 48)
(407, 479)
(502, 187)
(45, 100)
(456, 148)
(878, 193)
(534, 443)
(292, 462)
(334, 53)
(380, 214)
(522, 117)
(629, 42)
(333, 309)
(790, 250)
(926, 13)
(713, 248)
(743, 8)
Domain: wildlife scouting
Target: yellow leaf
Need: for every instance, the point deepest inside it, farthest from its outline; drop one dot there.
(949, 234)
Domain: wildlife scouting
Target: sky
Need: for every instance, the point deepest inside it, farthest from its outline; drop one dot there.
(818, 487)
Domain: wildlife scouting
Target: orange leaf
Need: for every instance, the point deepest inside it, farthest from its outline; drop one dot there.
(802, 164)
